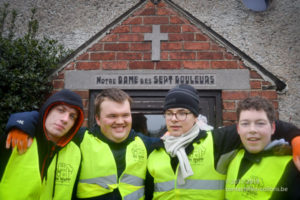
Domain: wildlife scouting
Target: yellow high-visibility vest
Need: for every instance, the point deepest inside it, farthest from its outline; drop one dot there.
(21, 178)
(98, 174)
(63, 170)
(259, 181)
(206, 183)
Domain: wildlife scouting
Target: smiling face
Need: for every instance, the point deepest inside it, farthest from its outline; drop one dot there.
(59, 121)
(255, 130)
(178, 127)
(115, 119)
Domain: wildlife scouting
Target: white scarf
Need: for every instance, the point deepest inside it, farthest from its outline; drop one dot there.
(175, 146)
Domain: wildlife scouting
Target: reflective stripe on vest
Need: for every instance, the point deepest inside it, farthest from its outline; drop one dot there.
(192, 184)
(135, 195)
(102, 181)
(129, 179)
(21, 178)
(64, 172)
(164, 186)
(98, 174)
(259, 181)
(206, 183)
(132, 180)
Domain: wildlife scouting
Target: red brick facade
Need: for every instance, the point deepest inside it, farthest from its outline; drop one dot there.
(124, 48)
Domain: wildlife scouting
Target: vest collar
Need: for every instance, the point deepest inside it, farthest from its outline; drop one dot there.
(276, 147)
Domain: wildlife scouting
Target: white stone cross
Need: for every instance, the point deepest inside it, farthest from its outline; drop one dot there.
(155, 37)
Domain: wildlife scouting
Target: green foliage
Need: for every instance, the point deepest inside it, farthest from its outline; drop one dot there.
(25, 65)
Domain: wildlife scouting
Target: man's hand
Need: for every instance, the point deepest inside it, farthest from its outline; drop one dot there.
(296, 151)
(20, 139)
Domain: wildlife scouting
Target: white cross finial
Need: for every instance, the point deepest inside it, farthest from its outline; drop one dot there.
(155, 37)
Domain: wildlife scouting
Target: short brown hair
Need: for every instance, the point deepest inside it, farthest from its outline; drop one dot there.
(113, 94)
(257, 103)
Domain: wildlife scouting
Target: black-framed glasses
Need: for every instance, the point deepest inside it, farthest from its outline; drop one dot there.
(180, 115)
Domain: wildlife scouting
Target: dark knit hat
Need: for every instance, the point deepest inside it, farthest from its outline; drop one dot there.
(183, 96)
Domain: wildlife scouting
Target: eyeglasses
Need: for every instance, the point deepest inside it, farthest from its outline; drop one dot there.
(181, 115)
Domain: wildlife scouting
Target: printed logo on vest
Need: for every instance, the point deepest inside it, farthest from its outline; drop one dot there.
(138, 153)
(64, 173)
(197, 157)
(252, 186)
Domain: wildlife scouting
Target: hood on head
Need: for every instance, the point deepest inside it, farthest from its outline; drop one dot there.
(65, 97)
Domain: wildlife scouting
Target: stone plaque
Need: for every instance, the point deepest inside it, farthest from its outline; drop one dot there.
(228, 79)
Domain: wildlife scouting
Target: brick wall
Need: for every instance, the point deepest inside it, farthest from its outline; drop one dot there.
(124, 48)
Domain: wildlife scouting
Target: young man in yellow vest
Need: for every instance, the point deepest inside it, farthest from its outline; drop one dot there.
(114, 155)
(189, 163)
(48, 170)
(262, 168)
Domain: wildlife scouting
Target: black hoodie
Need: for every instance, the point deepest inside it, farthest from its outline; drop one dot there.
(46, 148)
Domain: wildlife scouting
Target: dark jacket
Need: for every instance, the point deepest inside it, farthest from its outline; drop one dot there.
(33, 124)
